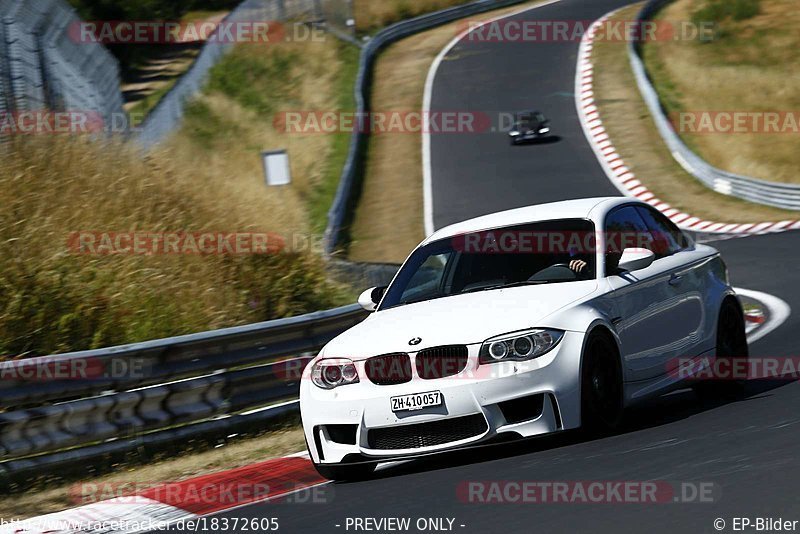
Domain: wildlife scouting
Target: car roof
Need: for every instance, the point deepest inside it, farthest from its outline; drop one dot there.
(584, 208)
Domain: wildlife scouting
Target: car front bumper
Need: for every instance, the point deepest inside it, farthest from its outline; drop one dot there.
(528, 136)
(551, 383)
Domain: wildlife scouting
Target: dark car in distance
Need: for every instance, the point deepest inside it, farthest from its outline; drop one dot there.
(529, 126)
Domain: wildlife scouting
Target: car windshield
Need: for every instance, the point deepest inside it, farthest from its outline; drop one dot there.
(536, 253)
(529, 120)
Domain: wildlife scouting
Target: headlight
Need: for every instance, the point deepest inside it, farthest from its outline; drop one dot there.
(335, 372)
(519, 346)
(544, 130)
(513, 133)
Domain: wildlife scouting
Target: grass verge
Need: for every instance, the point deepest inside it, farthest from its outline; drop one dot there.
(631, 128)
(372, 15)
(751, 65)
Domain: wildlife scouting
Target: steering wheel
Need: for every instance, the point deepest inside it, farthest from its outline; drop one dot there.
(556, 272)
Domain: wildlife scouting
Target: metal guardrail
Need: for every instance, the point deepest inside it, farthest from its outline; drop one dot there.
(779, 195)
(72, 408)
(354, 164)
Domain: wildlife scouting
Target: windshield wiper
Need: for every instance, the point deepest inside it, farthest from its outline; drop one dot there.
(515, 284)
(498, 286)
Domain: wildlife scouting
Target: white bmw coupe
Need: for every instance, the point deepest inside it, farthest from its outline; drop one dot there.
(518, 324)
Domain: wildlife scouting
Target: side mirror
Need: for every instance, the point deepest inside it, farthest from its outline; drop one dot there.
(635, 259)
(370, 298)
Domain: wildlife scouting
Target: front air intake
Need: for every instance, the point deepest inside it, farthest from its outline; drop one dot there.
(427, 434)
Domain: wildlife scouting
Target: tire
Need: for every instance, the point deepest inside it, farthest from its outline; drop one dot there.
(732, 352)
(347, 472)
(602, 405)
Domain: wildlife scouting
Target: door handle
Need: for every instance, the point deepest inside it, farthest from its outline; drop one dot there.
(675, 279)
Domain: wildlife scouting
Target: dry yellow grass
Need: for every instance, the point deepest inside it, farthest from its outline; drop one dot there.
(207, 179)
(53, 300)
(635, 137)
(372, 15)
(391, 200)
(754, 66)
(56, 497)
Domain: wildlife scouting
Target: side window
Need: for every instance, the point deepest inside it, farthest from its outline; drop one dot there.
(624, 228)
(667, 238)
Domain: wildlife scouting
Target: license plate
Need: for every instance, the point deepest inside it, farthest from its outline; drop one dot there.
(416, 401)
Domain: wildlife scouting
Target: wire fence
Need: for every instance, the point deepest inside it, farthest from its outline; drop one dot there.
(167, 114)
(43, 67)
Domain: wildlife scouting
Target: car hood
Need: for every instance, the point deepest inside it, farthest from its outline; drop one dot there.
(459, 319)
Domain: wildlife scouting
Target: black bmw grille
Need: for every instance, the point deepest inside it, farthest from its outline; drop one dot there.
(440, 362)
(389, 369)
(427, 434)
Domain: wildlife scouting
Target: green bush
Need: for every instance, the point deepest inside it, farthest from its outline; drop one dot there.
(205, 127)
(252, 78)
(745, 9)
(720, 10)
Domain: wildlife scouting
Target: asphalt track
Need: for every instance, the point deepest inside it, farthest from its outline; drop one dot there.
(747, 447)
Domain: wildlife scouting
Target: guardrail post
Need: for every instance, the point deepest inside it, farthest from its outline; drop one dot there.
(12, 433)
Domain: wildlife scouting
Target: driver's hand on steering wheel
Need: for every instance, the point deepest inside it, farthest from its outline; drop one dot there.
(578, 265)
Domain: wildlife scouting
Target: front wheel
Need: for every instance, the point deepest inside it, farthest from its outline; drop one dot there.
(346, 472)
(601, 386)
